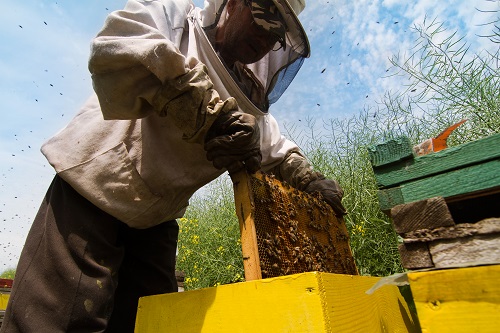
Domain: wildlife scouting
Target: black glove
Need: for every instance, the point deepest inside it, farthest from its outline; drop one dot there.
(233, 142)
(331, 192)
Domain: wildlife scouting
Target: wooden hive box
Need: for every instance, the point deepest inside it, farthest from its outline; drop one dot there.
(312, 302)
(445, 205)
(278, 223)
(458, 300)
(5, 287)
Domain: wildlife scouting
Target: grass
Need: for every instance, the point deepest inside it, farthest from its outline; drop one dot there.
(209, 243)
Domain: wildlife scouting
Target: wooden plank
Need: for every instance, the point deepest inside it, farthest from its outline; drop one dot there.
(391, 151)
(484, 249)
(483, 227)
(457, 300)
(243, 202)
(415, 256)
(457, 182)
(423, 214)
(464, 155)
(307, 302)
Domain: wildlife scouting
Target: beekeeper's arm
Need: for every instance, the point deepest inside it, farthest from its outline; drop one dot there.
(137, 71)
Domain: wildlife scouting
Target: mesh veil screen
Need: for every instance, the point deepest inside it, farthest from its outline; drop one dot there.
(297, 232)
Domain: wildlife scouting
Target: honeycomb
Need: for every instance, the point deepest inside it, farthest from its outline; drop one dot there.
(296, 231)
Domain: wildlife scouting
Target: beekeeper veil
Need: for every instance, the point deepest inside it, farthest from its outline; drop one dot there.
(276, 70)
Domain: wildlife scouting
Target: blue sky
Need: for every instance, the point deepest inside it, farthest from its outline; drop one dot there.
(44, 77)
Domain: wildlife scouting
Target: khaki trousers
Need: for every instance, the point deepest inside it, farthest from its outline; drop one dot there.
(82, 270)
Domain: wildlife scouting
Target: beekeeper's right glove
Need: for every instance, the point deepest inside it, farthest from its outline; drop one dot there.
(233, 142)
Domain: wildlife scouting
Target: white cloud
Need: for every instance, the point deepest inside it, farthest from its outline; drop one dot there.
(382, 29)
(393, 3)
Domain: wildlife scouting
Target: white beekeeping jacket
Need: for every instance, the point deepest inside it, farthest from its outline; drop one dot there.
(119, 151)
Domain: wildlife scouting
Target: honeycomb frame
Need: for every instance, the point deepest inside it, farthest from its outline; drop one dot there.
(291, 231)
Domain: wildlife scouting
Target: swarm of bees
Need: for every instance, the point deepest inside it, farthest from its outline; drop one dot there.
(297, 232)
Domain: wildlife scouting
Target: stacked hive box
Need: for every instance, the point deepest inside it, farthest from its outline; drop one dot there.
(457, 300)
(299, 270)
(313, 302)
(445, 205)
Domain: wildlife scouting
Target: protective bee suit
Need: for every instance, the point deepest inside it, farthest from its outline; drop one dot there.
(131, 158)
(142, 163)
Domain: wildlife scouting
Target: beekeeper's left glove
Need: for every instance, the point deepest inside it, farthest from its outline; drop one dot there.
(331, 192)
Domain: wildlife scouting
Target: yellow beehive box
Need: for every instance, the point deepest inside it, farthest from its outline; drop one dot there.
(306, 302)
(458, 300)
(4, 299)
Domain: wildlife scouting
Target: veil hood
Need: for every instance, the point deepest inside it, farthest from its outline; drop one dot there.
(278, 68)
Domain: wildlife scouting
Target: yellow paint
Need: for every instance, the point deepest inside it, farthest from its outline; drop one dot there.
(306, 302)
(350, 309)
(458, 300)
(4, 299)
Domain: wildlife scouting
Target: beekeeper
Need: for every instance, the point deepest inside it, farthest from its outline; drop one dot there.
(181, 95)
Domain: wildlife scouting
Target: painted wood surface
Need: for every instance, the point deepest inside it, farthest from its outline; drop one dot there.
(308, 302)
(6, 283)
(4, 299)
(454, 183)
(458, 300)
(389, 152)
(461, 156)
